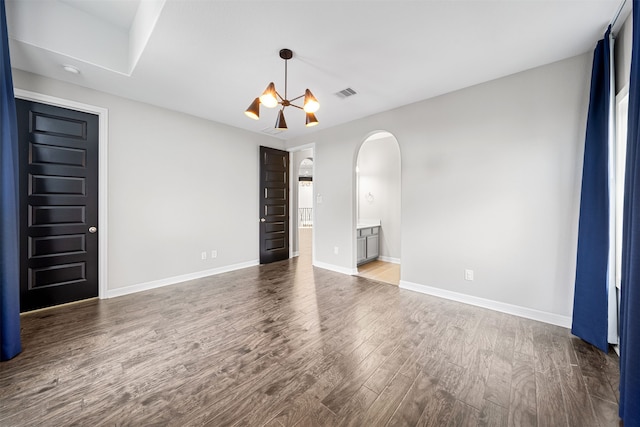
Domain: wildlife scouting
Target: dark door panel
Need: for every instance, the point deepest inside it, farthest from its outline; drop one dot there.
(58, 205)
(274, 205)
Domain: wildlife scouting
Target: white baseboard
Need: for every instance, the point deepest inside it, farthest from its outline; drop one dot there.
(295, 254)
(516, 310)
(389, 259)
(112, 293)
(336, 268)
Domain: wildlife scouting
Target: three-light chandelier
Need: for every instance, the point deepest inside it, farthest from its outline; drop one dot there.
(270, 98)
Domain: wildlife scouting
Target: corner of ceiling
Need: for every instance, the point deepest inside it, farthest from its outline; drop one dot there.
(141, 29)
(77, 35)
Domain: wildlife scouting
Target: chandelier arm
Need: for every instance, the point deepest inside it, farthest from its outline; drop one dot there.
(280, 96)
(297, 97)
(294, 105)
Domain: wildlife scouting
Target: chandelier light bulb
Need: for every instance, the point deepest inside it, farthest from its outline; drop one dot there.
(268, 97)
(311, 104)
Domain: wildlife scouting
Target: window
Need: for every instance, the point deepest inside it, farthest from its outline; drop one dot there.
(622, 107)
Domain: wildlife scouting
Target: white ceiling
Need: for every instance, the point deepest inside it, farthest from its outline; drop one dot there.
(119, 13)
(212, 58)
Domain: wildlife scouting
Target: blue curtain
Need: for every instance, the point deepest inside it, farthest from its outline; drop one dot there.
(590, 309)
(630, 287)
(9, 232)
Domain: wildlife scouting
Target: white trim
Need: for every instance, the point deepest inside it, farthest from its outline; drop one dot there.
(295, 254)
(620, 17)
(292, 209)
(103, 154)
(336, 268)
(112, 293)
(621, 110)
(302, 147)
(624, 91)
(389, 259)
(516, 310)
(617, 154)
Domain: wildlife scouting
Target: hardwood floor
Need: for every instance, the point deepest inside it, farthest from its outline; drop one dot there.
(382, 271)
(305, 235)
(287, 344)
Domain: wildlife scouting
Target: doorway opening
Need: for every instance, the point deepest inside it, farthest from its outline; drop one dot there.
(305, 208)
(378, 208)
(302, 202)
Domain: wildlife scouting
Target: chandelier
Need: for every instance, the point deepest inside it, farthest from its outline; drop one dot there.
(270, 98)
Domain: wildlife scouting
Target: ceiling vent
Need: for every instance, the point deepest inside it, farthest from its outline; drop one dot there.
(345, 93)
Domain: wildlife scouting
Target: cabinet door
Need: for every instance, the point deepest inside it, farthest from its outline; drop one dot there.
(362, 248)
(372, 246)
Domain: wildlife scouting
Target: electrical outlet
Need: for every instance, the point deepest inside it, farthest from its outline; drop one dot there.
(336, 250)
(468, 274)
(214, 254)
(203, 255)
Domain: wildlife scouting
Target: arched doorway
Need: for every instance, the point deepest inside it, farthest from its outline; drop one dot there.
(378, 208)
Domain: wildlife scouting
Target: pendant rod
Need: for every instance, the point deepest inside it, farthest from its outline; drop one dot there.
(285, 78)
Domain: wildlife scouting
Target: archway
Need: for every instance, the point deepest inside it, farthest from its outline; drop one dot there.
(378, 208)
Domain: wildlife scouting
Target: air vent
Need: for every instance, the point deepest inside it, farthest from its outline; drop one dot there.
(346, 93)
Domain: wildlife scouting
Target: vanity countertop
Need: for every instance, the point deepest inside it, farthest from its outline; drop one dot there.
(367, 224)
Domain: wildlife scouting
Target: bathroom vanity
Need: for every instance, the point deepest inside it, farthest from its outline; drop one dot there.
(368, 242)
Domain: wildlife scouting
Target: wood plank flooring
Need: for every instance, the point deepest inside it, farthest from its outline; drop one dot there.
(305, 243)
(381, 271)
(287, 344)
(376, 270)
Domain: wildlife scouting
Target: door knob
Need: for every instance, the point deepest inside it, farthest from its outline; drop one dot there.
(262, 220)
(92, 230)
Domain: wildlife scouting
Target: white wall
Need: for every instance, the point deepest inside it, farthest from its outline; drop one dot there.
(178, 185)
(379, 176)
(305, 194)
(490, 182)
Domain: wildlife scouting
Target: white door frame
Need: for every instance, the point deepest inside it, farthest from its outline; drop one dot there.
(103, 141)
